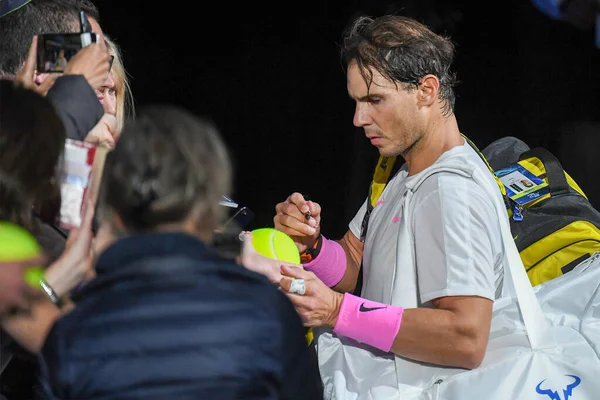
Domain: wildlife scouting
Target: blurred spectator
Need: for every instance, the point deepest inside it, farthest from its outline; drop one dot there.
(31, 142)
(166, 317)
(116, 99)
(73, 96)
(583, 14)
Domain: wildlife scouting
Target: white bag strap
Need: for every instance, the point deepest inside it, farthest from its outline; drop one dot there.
(536, 324)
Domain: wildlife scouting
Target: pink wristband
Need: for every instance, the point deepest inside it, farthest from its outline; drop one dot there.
(330, 264)
(369, 322)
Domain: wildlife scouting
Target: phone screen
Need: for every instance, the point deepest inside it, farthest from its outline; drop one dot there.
(56, 49)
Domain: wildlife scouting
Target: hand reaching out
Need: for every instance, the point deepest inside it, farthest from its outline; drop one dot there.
(26, 76)
(75, 264)
(256, 262)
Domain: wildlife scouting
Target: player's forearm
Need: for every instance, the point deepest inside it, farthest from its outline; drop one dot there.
(440, 337)
(453, 334)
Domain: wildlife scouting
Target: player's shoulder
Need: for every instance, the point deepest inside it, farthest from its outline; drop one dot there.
(457, 187)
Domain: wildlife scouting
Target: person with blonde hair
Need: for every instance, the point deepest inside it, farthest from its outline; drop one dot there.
(116, 99)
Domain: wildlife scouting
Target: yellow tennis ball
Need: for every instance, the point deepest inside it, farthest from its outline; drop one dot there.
(275, 244)
(17, 244)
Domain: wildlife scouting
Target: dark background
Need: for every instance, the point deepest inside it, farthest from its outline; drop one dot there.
(270, 76)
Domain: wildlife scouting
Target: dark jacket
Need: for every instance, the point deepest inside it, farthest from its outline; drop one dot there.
(167, 318)
(76, 104)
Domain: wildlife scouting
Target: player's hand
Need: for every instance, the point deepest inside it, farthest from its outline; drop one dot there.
(256, 262)
(300, 219)
(318, 305)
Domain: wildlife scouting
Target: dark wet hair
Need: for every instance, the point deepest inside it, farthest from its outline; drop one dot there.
(403, 51)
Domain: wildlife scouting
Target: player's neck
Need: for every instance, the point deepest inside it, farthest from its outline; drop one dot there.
(441, 136)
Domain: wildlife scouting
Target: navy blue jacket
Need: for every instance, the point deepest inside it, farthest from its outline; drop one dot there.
(167, 318)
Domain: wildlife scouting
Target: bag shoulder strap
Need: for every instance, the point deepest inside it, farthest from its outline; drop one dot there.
(381, 176)
(557, 181)
(498, 181)
(534, 319)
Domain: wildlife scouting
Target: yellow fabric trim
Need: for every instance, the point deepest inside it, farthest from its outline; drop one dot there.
(498, 181)
(381, 177)
(309, 336)
(544, 259)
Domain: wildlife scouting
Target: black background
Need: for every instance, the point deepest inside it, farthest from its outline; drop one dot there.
(270, 76)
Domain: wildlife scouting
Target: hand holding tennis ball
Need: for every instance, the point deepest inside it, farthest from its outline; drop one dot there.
(275, 244)
(265, 249)
(18, 245)
(21, 265)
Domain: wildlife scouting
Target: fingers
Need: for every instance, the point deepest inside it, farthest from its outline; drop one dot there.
(111, 124)
(47, 83)
(34, 262)
(31, 57)
(314, 215)
(297, 199)
(285, 283)
(293, 275)
(296, 272)
(92, 61)
(109, 143)
(248, 251)
(254, 261)
(25, 76)
(103, 133)
(292, 226)
(101, 41)
(297, 217)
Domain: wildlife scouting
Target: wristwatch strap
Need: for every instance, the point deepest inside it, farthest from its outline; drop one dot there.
(312, 253)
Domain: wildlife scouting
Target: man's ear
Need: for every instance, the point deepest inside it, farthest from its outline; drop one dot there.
(428, 90)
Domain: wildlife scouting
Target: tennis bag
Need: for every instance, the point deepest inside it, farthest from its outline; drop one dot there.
(554, 230)
(559, 228)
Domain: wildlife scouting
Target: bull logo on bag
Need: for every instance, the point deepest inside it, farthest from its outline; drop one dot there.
(554, 395)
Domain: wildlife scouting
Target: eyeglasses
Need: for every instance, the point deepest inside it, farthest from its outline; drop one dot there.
(110, 63)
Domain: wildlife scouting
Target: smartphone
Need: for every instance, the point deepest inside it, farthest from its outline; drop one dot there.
(226, 240)
(238, 221)
(56, 49)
